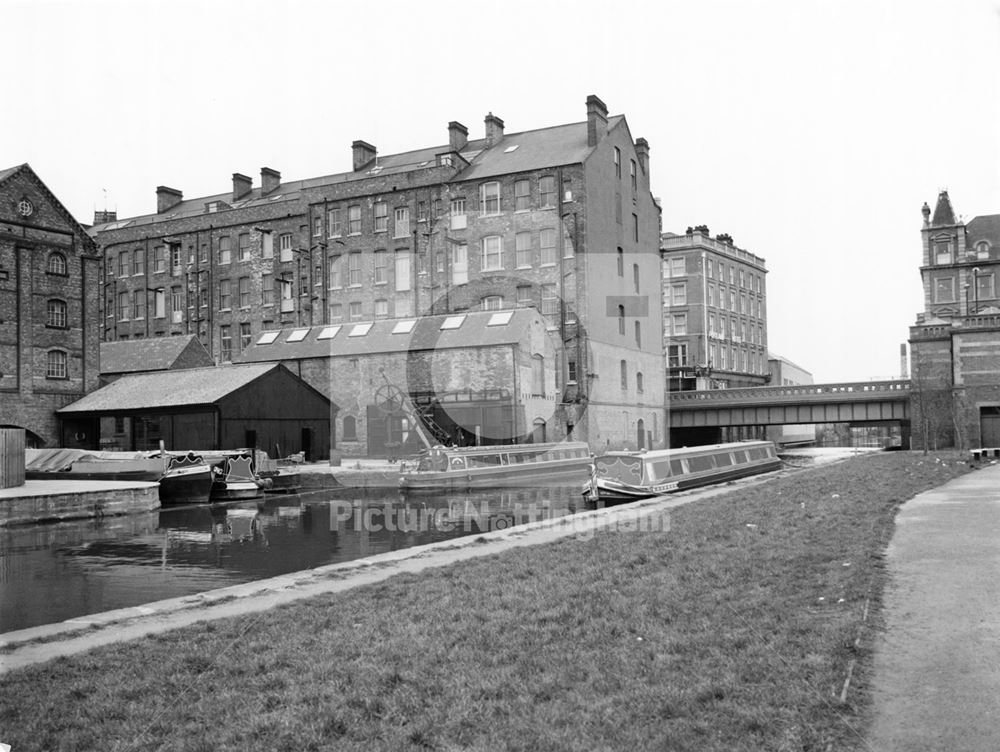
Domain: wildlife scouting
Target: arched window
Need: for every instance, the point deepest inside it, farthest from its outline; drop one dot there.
(537, 376)
(638, 382)
(56, 313)
(350, 432)
(621, 319)
(56, 264)
(55, 365)
(638, 334)
(640, 434)
(621, 263)
(624, 368)
(538, 431)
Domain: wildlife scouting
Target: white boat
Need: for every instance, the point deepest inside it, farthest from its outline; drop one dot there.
(626, 476)
(457, 468)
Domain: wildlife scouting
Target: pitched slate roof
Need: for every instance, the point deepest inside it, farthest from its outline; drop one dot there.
(475, 329)
(185, 388)
(986, 227)
(152, 354)
(943, 213)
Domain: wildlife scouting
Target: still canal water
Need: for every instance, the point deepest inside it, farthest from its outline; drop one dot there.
(50, 573)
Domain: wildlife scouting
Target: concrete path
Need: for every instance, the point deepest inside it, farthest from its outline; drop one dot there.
(937, 665)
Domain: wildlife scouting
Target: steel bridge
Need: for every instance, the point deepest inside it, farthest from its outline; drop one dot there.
(860, 403)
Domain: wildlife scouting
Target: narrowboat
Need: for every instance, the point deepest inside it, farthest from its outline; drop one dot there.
(458, 468)
(627, 476)
(280, 475)
(234, 477)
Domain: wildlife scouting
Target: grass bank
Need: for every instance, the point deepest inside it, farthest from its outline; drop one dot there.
(734, 630)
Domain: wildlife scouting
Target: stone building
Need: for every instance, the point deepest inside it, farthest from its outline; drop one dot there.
(955, 343)
(714, 312)
(560, 219)
(49, 319)
(784, 372)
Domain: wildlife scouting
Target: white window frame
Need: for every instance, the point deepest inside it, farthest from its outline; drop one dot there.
(489, 199)
(492, 253)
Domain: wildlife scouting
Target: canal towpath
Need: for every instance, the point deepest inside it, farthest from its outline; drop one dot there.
(936, 681)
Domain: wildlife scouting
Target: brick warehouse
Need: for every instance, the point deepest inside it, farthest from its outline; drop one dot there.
(955, 343)
(560, 219)
(49, 327)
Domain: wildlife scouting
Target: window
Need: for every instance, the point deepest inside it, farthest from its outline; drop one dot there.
(139, 304)
(244, 288)
(225, 294)
(350, 430)
(381, 309)
(621, 263)
(984, 287)
(159, 259)
(489, 198)
(225, 254)
(336, 264)
(638, 378)
(458, 220)
(160, 304)
(354, 310)
(618, 162)
(679, 323)
(677, 355)
(492, 253)
(635, 227)
(635, 277)
(245, 336)
(623, 366)
(336, 312)
(354, 220)
(56, 263)
(743, 302)
(571, 370)
(492, 303)
(55, 365)
(460, 264)
(522, 195)
(267, 245)
(123, 267)
(982, 250)
(176, 260)
(335, 222)
(547, 241)
(621, 319)
(123, 306)
(710, 265)
(677, 294)
(522, 250)
(567, 188)
(244, 252)
(547, 192)
(732, 300)
(942, 253)
(402, 271)
(318, 226)
(632, 173)
(618, 208)
(401, 222)
(267, 289)
(676, 267)
(537, 376)
(354, 269)
(285, 247)
(742, 279)
(550, 303)
(524, 296)
(421, 211)
(226, 343)
(711, 326)
(380, 212)
(139, 261)
(439, 262)
(56, 314)
(177, 304)
(381, 267)
(638, 334)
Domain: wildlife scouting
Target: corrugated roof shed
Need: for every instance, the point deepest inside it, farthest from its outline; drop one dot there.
(184, 388)
(153, 354)
(460, 330)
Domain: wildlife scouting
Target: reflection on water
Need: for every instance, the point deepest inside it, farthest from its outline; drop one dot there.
(53, 572)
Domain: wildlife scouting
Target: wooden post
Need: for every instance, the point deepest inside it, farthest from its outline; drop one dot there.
(11, 457)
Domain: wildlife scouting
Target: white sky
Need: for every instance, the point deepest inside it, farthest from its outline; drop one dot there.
(812, 132)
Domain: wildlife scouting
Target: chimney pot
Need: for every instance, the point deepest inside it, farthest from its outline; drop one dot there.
(242, 185)
(167, 198)
(269, 180)
(458, 135)
(494, 130)
(642, 152)
(364, 153)
(597, 120)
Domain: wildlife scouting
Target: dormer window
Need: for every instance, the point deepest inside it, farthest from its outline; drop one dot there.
(982, 250)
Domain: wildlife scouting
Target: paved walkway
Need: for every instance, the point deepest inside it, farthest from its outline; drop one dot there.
(937, 665)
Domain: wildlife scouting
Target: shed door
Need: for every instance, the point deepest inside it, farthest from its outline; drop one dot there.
(989, 426)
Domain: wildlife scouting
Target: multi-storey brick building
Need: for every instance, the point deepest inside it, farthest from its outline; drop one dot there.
(715, 312)
(955, 343)
(560, 218)
(49, 319)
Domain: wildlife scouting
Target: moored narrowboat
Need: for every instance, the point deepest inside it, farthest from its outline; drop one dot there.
(627, 476)
(502, 466)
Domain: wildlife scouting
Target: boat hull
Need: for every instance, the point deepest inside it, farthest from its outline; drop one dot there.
(509, 477)
(186, 485)
(616, 492)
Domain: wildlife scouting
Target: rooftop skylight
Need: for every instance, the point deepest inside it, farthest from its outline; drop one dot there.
(360, 330)
(329, 332)
(510, 148)
(297, 335)
(453, 322)
(267, 338)
(404, 327)
(500, 319)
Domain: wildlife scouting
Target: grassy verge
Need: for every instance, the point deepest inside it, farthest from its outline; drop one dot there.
(734, 630)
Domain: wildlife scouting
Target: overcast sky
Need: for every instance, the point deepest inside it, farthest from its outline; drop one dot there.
(812, 132)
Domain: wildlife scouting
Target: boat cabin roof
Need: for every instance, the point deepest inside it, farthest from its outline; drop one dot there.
(697, 451)
(507, 448)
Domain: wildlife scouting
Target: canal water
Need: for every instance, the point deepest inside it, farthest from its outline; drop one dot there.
(53, 572)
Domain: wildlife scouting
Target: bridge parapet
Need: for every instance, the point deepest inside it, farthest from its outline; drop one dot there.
(860, 391)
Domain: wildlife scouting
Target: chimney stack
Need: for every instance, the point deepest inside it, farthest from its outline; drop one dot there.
(242, 185)
(269, 180)
(458, 135)
(642, 152)
(167, 198)
(597, 120)
(494, 130)
(364, 154)
(100, 217)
